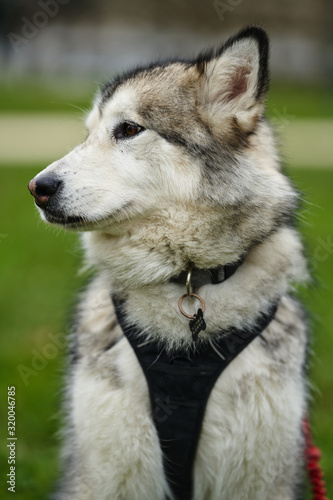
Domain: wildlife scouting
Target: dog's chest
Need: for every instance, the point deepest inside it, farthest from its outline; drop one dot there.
(112, 398)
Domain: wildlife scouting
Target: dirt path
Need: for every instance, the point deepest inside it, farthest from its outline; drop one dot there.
(38, 138)
(42, 138)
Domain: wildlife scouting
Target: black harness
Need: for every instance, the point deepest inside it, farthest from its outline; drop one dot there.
(179, 386)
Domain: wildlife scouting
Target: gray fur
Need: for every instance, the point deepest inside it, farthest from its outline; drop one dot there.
(199, 182)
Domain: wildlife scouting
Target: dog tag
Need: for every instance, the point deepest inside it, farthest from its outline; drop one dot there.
(197, 324)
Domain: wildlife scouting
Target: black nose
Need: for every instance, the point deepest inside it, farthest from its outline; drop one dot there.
(43, 187)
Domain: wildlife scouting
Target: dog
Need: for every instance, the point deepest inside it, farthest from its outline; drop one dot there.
(188, 221)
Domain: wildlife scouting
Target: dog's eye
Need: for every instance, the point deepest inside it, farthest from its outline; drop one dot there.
(126, 129)
(132, 129)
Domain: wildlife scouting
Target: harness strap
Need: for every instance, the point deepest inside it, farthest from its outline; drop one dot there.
(179, 386)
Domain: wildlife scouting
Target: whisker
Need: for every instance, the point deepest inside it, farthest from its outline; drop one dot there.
(216, 350)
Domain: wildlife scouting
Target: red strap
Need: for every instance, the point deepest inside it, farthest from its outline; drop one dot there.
(312, 457)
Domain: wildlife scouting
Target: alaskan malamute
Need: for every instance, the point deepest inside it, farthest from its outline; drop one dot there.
(188, 354)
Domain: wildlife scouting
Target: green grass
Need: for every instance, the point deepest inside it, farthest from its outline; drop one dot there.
(316, 225)
(39, 276)
(38, 272)
(35, 95)
(292, 101)
(286, 101)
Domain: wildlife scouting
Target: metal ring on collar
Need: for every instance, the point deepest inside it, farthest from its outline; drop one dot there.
(190, 295)
(188, 281)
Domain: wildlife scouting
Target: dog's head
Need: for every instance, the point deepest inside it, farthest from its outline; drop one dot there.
(179, 165)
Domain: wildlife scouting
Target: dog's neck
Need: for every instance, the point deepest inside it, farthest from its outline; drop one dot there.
(201, 277)
(267, 273)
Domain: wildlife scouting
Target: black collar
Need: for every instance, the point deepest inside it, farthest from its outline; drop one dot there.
(213, 276)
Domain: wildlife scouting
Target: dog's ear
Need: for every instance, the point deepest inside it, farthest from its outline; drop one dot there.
(234, 80)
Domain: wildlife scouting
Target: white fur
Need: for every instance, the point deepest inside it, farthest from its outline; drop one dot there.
(149, 207)
(247, 440)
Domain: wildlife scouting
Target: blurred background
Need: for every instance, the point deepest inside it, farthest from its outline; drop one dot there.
(54, 54)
